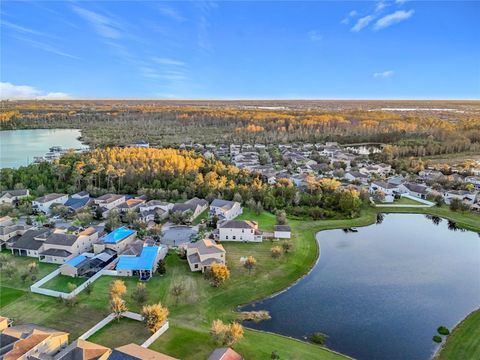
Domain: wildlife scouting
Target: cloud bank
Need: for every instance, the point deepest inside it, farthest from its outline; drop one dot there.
(9, 91)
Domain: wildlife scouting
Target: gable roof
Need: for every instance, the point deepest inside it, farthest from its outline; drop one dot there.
(13, 193)
(83, 350)
(238, 224)
(206, 246)
(224, 354)
(27, 240)
(145, 261)
(224, 204)
(49, 197)
(136, 352)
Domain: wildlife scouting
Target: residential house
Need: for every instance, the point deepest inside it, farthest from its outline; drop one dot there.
(225, 354)
(389, 190)
(34, 342)
(238, 230)
(465, 196)
(224, 209)
(108, 202)
(136, 352)
(149, 210)
(356, 176)
(83, 350)
(417, 190)
(379, 169)
(143, 265)
(130, 204)
(12, 196)
(60, 246)
(79, 201)
(30, 243)
(196, 206)
(9, 230)
(202, 254)
(44, 203)
(282, 232)
(117, 240)
(88, 265)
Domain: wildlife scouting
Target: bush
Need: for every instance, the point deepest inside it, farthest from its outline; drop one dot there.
(442, 330)
(318, 338)
(437, 339)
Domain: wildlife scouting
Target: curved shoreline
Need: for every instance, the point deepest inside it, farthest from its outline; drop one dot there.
(373, 212)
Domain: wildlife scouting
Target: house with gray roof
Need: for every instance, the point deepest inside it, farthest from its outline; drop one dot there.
(225, 209)
(12, 196)
(202, 254)
(238, 230)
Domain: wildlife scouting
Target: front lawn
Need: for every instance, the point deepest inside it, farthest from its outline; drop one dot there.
(62, 283)
(407, 201)
(265, 220)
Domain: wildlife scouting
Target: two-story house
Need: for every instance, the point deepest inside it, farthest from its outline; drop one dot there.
(238, 230)
(202, 254)
(224, 209)
(43, 204)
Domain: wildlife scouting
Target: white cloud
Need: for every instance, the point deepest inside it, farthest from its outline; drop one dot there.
(169, 61)
(384, 74)
(353, 13)
(350, 15)
(400, 2)
(393, 18)
(362, 22)
(380, 6)
(170, 12)
(315, 36)
(103, 25)
(9, 91)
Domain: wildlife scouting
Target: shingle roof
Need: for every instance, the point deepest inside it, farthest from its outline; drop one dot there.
(27, 241)
(56, 252)
(282, 228)
(61, 239)
(49, 197)
(237, 224)
(224, 204)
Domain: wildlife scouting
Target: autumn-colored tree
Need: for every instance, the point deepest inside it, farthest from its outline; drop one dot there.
(117, 288)
(276, 252)
(226, 334)
(250, 263)
(220, 274)
(154, 316)
(117, 306)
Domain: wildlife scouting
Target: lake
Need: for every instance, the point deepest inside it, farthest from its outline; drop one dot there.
(19, 147)
(381, 292)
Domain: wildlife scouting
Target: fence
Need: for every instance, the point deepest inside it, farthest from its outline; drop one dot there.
(156, 335)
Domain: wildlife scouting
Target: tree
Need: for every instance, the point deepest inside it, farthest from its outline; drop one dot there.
(41, 219)
(139, 295)
(177, 290)
(117, 306)
(29, 221)
(287, 247)
(131, 217)
(84, 218)
(250, 263)
(378, 196)
(117, 288)
(226, 334)
(59, 210)
(220, 274)
(154, 316)
(161, 269)
(276, 252)
(281, 217)
(275, 355)
(33, 267)
(113, 220)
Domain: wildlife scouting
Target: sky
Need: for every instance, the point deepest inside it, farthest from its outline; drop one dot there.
(394, 49)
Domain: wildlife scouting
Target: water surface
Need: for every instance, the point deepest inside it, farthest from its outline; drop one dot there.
(381, 292)
(19, 147)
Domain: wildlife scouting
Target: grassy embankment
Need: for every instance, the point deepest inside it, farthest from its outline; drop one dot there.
(190, 319)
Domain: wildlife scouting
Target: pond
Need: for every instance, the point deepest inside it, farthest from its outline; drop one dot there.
(381, 292)
(19, 147)
(177, 235)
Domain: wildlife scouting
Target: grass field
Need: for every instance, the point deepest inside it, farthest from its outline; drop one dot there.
(120, 332)
(200, 303)
(407, 201)
(62, 283)
(464, 341)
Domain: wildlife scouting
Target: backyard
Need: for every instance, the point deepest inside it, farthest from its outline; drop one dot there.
(64, 283)
(120, 332)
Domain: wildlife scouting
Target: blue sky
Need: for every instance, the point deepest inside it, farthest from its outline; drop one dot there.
(249, 49)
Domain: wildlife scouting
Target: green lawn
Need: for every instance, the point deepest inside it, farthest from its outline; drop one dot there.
(265, 220)
(407, 201)
(62, 283)
(8, 295)
(120, 332)
(464, 341)
(199, 218)
(200, 303)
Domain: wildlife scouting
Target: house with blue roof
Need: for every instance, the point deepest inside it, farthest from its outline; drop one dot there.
(143, 265)
(117, 240)
(79, 201)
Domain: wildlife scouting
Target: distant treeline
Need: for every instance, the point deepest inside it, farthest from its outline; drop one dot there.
(121, 123)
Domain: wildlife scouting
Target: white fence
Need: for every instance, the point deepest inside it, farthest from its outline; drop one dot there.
(156, 335)
(37, 287)
(130, 315)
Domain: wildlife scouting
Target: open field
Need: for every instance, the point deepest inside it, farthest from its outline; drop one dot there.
(200, 304)
(62, 283)
(464, 341)
(407, 201)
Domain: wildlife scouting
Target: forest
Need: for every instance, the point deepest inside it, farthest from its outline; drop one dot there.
(114, 123)
(175, 175)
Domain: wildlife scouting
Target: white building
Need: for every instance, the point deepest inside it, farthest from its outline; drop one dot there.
(234, 230)
(12, 196)
(390, 190)
(202, 254)
(225, 210)
(282, 232)
(417, 190)
(44, 203)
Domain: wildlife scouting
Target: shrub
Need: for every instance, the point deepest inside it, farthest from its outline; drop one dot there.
(318, 338)
(442, 330)
(437, 339)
